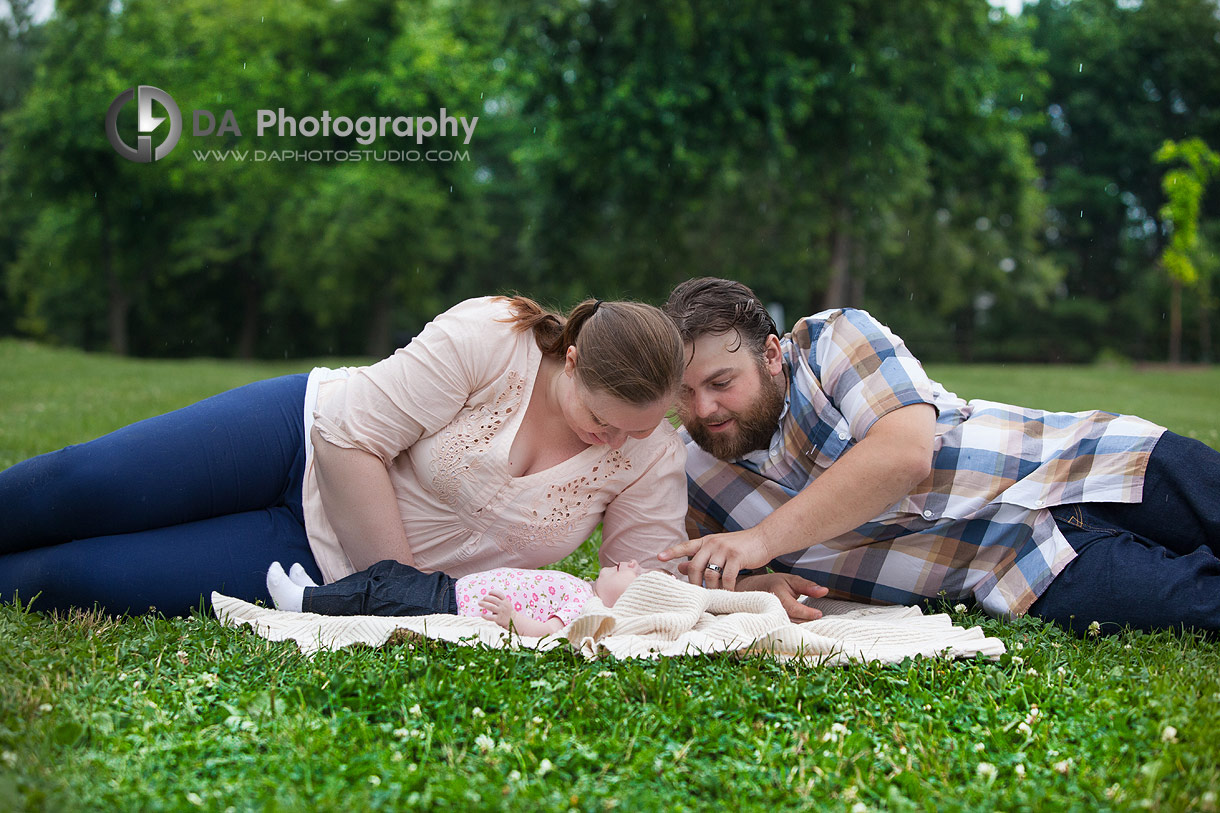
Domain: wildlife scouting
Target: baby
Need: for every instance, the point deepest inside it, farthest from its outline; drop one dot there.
(533, 602)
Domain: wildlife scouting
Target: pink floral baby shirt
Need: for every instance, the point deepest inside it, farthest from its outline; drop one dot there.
(539, 594)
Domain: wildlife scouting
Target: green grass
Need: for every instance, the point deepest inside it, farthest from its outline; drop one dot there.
(146, 713)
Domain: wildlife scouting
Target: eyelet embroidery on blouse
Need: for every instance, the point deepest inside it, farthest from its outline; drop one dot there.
(462, 446)
(569, 505)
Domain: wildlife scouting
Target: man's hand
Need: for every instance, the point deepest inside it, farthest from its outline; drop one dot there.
(716, 560)
(789, 587)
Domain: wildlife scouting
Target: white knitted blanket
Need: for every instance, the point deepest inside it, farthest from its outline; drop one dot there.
(657, 615)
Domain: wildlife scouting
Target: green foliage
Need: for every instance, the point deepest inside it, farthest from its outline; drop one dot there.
(146, 713)
(1184, 188)
(1125, 77)
(983, 182)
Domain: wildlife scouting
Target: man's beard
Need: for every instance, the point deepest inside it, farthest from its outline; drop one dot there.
(754, 428)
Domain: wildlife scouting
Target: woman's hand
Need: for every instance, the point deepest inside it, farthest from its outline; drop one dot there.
(716, 560)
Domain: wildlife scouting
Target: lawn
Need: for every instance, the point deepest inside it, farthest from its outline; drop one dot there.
(149, 713)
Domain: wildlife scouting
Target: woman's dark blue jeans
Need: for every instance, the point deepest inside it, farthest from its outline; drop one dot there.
(161, 513)
(1146, 565)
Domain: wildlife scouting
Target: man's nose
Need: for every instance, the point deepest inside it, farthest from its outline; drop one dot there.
(704, 404)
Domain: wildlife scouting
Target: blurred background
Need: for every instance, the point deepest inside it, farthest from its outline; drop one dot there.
(995, 182)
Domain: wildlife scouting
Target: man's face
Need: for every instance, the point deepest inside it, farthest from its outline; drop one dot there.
(731, 399)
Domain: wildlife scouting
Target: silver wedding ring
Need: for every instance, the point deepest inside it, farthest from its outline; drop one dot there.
(714, 568)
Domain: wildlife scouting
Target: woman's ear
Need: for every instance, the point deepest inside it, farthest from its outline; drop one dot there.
(569, 360)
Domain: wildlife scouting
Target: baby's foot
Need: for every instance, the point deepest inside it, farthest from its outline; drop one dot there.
(286, 594)
(299, 576)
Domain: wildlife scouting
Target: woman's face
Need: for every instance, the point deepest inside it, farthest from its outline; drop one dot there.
(599, 419)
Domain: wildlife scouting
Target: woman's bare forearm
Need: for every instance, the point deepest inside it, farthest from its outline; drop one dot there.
(360, 504)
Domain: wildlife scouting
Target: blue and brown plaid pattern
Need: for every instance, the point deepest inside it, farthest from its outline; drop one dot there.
(978, 528)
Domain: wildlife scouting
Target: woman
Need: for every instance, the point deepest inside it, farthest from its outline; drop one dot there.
(500, 436)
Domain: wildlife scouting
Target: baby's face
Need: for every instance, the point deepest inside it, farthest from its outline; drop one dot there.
(612, 581)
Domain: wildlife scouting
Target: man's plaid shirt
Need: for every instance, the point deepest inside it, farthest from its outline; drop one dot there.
(977, 528)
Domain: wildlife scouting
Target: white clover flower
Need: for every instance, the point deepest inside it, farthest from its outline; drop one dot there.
(183, 658)
(536, 721)
(1169, 734)
(415, 711)
(544, 767)
(1019, 770)
(1063, 766)
(1032, 672)
(402, 733)
(859, 807)
(979, 748)
(1061, 671)
(477, 712)
(837, 732)
(374, 780)
(1025, 729)
(397, 756)
(985, 770)
(959, 608)
(1095, 629)
(1020, 646)
(195, 799)
(514, 775)
(9, 759)
(1017, 660)
(45, 707)
(484, 742)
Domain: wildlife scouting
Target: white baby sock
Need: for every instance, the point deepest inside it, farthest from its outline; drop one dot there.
(286, 593)
(299, 576)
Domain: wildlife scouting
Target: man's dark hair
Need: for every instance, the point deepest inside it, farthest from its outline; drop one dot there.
(713, 306)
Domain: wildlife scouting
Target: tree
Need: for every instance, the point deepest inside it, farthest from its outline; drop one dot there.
(1184, 187)
(799, 147)
(1125, 77)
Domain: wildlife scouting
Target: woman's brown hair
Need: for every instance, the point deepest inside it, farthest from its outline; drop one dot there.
(628, 350)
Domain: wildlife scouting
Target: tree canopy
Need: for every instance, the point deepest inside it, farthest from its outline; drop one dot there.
(987, 184)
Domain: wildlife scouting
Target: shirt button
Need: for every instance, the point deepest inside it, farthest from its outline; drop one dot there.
(842, 436)
(927, 513)
(1039, 503)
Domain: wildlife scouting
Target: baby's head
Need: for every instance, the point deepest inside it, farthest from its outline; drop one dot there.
(612, 581)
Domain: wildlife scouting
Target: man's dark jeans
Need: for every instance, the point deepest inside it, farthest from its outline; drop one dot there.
(1146, 565)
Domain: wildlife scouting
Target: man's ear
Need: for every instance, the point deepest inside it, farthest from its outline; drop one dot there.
(773, 357)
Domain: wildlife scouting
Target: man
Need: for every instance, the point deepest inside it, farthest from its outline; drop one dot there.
(829, 455)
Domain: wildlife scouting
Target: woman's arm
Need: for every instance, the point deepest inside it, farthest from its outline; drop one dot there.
(649, 515)
(360, 504)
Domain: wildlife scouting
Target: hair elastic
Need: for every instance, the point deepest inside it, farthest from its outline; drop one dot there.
(597, 303)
